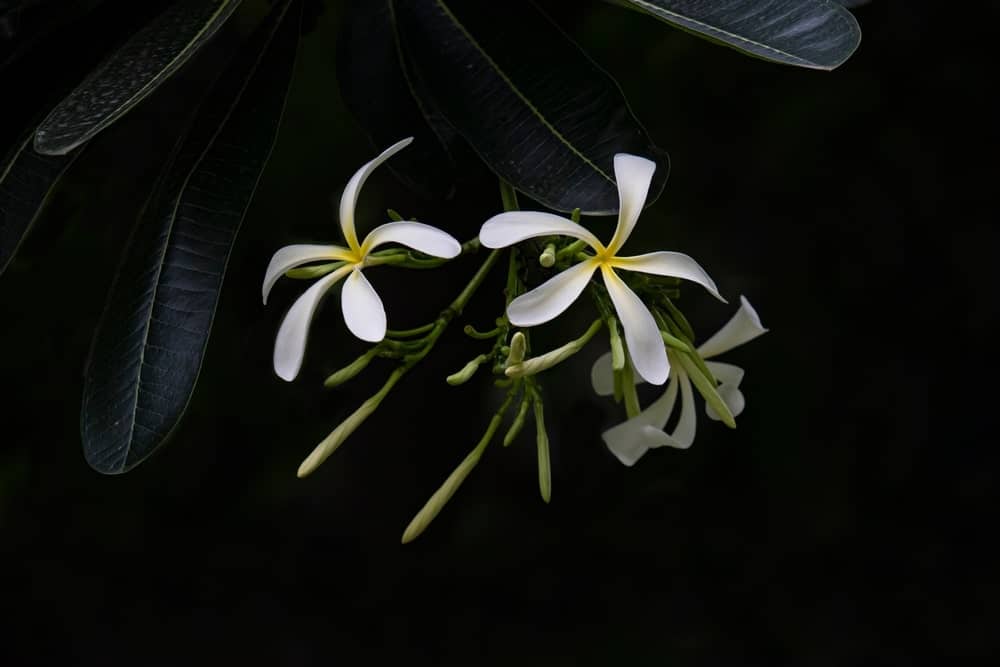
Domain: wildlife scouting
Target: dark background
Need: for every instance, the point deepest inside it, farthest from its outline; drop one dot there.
(815, 534)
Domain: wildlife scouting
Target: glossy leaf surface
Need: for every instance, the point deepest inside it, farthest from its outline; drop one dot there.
(536, 109)
(819, 34)
(380, 91)
(131, 73)
(148, 351)
(26, 179)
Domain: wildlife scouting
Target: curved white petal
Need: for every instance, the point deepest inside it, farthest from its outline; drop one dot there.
(688, 423)
(633, 174)
(726, 373)
(630, 440)
(292, 256)
(512, 227)
(642, 336)
(741, 328)
(732, 397)
(290, 344)
(362, 307)
(659, 411)
(602, 375)
(674, 264)
(424, 238)
(552, 297)
(349, 200)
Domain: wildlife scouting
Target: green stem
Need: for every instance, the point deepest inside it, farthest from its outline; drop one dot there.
(508, 195)
(330, 444)
(632, 408)
(409, 333)
(441, 497)
(571, 250)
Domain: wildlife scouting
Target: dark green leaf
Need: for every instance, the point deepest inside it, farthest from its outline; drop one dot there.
(381, 93)
(819, 34)
(133, 72)
(540, 113)
(148, 351)
(26, 179)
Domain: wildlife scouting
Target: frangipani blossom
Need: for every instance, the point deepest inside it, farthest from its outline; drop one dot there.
(548, 300)
(633, 437)
(361, 305)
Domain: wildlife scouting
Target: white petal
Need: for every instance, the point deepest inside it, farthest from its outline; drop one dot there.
(602, 375)
(741, 328)
(688, 423)
(362, 307)
(630, 440)
(290, 345)
(659, 411)
(349, 200)
(552, 297)
(726, 373)
(642, 336)
(512, 227)
(292, 256)
(674, 264)
(732, 397)
(633, 174)
(424, 238)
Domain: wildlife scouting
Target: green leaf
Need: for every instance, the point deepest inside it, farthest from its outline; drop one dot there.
(819, 34)
(534, 107)
(389, 103)
(131, 73)
(148, 351)
(26, 180)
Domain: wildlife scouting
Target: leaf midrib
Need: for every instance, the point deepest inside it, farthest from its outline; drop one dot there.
(164, 72)
(657, 9)
(173, 220)
(534, 110)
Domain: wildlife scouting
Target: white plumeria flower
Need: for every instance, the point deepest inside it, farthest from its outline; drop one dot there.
(634, 437)
(362, 307)
(548, 300)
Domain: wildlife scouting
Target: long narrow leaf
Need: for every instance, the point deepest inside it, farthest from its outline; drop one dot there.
(819, 34)
(131, 73)
(380, 92)
(26, 180)
(535, 108)
(149, 349)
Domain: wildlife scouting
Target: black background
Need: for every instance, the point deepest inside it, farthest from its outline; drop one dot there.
(821, 532)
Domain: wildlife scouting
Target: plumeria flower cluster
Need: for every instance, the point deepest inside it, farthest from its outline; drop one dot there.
(631, 439)
(649, 337)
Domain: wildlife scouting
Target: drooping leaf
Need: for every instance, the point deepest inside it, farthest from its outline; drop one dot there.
(382, 94)
(149, 348)
(131, 73)
(26, 180)
(819, 34)
(536, 109)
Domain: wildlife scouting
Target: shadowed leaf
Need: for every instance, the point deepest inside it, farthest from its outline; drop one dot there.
(26, 180)
(540, 113)
(388, 103)
(131, 73)
(148, 351)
